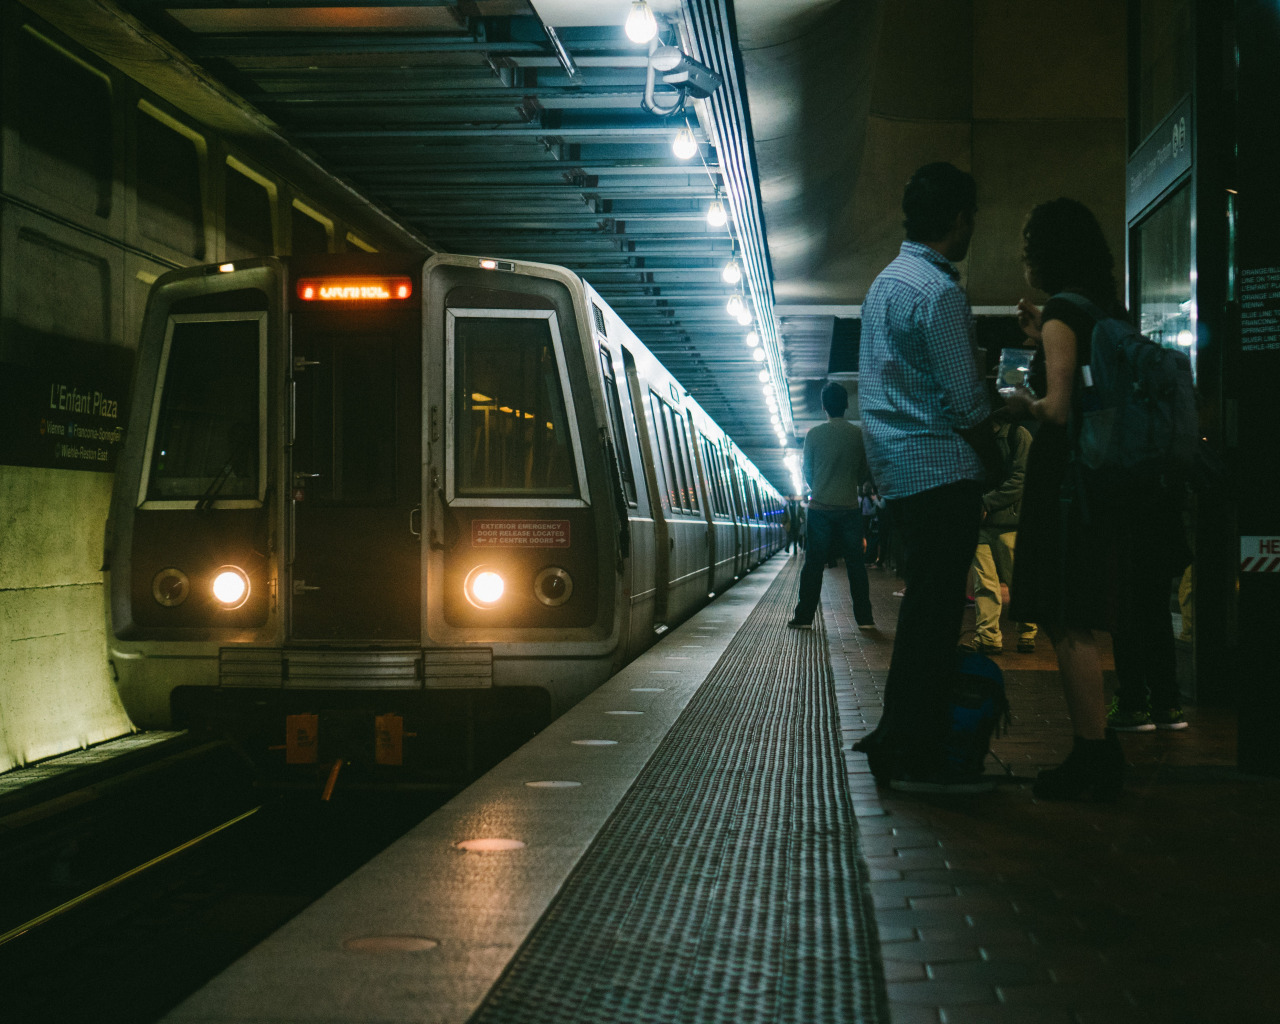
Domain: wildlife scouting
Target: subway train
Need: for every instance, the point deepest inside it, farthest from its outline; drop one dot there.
(398, 511)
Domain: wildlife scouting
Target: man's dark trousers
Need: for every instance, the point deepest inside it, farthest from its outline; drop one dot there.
(827, 528)
(939, 531)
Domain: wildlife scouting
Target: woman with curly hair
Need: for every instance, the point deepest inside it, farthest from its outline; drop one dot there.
(1066, 577)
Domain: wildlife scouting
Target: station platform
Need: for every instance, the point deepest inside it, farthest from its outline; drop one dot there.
(696, 841)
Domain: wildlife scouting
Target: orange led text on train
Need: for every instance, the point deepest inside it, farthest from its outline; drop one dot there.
(363, 289)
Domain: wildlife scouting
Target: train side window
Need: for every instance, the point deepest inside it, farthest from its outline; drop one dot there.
(512, 435)
(170, 197)
(207, 440)
(663, 439)
(620, 445)
(311, 234)
(686, 456)
(63, 117)
(249, 218)
(671, 423)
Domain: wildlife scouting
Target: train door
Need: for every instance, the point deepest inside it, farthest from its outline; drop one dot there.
(655, 487)
(355, 470)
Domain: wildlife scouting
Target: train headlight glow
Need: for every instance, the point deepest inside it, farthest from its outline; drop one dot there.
(170, 587)
(484, 587)
(230, 586)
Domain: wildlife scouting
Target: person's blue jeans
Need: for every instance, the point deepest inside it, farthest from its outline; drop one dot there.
(834, 531)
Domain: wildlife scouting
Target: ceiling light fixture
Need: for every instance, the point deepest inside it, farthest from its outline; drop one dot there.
(764, 376)
(758, 355)
(716, 217)
(753, 339)
(732, 273)
(641, 24)
(734, 305)
(685, 145)
(745, 317)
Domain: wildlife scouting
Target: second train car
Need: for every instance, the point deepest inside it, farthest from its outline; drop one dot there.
(362, 495)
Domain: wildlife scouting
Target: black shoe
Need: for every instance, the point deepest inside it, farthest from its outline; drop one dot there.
(800, 624)
(1094, 770)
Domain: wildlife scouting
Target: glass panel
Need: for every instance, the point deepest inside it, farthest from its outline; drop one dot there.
(512, 431)
(309, 235)
(1165, 54)
(686, 459)
(663, 441)
(249, 230)
(621, 447)
(1165, 307)
(206, 442)
(349, 403)
(169, 207)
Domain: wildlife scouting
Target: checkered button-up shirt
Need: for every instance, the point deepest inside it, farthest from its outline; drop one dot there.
(918, 379)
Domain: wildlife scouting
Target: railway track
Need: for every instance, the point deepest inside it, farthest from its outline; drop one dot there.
(117, 903)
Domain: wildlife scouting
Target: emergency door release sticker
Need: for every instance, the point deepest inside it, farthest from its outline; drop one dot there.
(520, 533)
(1260, 554)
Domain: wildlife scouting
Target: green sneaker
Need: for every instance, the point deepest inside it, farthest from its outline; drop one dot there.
(1169, 718)
(1129, 721)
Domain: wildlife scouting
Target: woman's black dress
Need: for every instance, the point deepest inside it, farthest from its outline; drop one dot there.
(1065, 568)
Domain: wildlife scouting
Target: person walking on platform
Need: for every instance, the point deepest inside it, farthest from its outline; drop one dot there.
(1068, 573)
(835, 466)
(993, 559)
(921, 396)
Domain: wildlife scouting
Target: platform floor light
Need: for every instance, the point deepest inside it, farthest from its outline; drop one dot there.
(641, 24)
(685, 145)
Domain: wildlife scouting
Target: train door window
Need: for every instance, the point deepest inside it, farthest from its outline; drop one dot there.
(350, 409)
(715, 476)
(675, 443)
(662, 439)
(207, 439)
(311, 234)
(63, 117)
(691, 499)
(249, 219)
(621, 448)
(514, 434)
(170, 196)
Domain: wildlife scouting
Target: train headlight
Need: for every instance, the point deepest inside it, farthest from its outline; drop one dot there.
(230, 586)
(484, 587)
(553, 586)
(170, 587)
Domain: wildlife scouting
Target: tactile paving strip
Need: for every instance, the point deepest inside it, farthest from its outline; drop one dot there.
(727, 886)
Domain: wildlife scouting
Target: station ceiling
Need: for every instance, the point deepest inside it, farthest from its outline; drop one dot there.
(528, 129)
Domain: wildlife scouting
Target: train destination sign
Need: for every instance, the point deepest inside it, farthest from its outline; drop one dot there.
(354, 289)
(520, 533)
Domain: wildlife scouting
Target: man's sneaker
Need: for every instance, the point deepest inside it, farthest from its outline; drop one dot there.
(800, 624)
(1026, 646)
(1129, 721)
(980, 646)
(945, 782)
(1170, 718)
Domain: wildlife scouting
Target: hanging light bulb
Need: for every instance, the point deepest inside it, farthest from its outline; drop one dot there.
(775, 419)
(734, 305)
(758, 355)
(764, 376)
(716, 217)
(744, 316)
(641, 24)
(768, 390)
(732, 273)
(685, 145)
(753, 339)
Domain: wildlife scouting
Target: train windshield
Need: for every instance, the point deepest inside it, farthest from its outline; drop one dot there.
(207, 432)
(512, 428)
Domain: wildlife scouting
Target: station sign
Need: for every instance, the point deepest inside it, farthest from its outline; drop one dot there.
(64, 406)
(1260, 554)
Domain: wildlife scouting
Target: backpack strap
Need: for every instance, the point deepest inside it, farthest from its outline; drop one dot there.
(1085, 303)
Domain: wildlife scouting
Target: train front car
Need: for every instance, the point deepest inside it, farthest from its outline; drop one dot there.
(354, 521)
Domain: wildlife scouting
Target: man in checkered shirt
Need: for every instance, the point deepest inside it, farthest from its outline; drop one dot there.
(919, 386)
